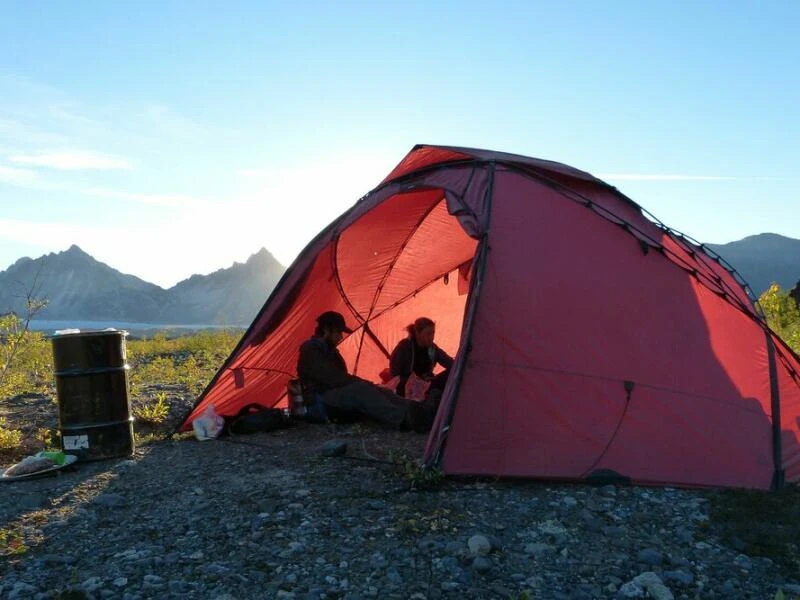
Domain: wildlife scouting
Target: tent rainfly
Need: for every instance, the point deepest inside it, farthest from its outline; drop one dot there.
(589, 338)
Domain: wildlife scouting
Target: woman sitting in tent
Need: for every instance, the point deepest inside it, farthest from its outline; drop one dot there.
(414, 359)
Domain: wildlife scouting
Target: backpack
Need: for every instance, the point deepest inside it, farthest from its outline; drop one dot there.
(255, 418)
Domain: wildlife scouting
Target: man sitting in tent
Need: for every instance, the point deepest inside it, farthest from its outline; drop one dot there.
(323, 371)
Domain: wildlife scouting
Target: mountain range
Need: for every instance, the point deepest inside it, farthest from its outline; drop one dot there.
(764, 259)
(80, 288)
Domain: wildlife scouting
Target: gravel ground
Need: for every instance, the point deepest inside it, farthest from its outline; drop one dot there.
(266, 516)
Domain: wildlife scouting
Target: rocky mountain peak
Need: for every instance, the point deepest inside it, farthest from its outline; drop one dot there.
(79, 287)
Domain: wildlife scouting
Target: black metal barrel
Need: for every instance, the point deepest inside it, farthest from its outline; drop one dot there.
(94, 410)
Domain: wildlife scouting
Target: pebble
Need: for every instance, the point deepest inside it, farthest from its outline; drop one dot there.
(449, 586)
(482, 564)
(110, 500)
(631, 590)
(682, 577)
(538, 548)
(92, 584)
(703, 546)
(453, 547)
(479, 544)
(743, 562)
(654, 586)
(650, 556)
(333, 448)
(58, 559)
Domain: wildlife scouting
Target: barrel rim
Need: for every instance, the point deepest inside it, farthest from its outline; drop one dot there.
(90, 332)
(88, 371)
(101, 425)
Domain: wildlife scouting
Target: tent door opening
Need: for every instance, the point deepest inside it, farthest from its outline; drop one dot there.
(408, 258)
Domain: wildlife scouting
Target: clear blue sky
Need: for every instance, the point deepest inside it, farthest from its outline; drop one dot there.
(167, 138)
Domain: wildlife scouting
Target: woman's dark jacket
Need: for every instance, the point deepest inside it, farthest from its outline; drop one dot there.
(408, 356)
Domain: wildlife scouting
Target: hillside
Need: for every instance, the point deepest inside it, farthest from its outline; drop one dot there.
(79, 287)
(763, 259)
(231, 296)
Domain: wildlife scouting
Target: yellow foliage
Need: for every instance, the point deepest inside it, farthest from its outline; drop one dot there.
(25, 358)
(9, 438)
(782, 314)
(155, 413)
(12, 543)
(190, 360)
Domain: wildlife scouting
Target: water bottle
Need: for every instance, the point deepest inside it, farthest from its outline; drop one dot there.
(297, 405)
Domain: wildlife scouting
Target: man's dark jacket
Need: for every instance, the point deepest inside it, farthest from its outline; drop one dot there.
(321, 366)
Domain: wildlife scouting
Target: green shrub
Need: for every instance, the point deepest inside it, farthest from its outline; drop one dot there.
(26, 367)
(12, 543)
(9, 438)
(49, 438)
(190, 360)
(25, 359)
(413, 472)
(154, 413)
(782, 314)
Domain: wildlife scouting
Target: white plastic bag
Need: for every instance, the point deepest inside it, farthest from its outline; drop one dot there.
(416, 387)
(209, 425)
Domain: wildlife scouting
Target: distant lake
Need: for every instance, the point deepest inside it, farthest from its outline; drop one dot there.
(48, 326)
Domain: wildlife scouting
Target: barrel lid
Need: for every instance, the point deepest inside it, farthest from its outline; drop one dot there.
(88, 332)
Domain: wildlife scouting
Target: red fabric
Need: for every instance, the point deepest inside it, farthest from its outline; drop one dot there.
(367, 251)
(551, 169)
(570, 314)
(574, 302)
(790, 411)
(439, 301)
(267, 366)
(424, 156)
(391, 264)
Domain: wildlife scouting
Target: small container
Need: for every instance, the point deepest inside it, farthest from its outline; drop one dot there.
(297, 404)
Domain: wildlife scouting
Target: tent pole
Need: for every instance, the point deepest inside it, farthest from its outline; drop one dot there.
(778, 476)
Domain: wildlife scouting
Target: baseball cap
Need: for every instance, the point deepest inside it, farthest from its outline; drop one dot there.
(333, 320)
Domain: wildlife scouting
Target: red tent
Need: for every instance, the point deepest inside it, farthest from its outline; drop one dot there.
(589, 338)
